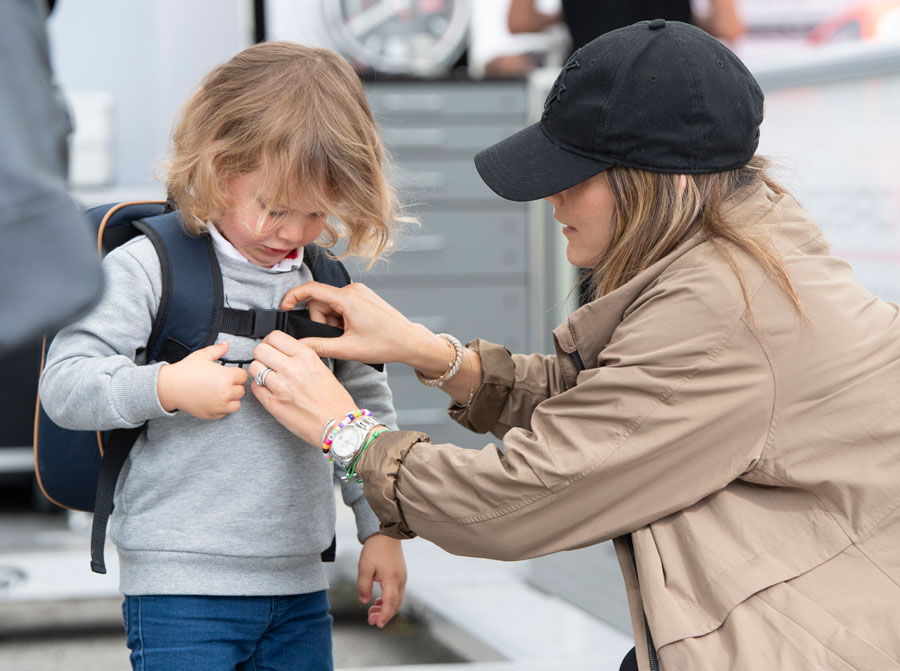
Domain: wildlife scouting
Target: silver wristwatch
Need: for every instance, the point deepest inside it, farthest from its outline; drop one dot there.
(347, 443)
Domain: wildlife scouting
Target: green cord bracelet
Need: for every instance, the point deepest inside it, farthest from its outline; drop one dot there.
(351, 469)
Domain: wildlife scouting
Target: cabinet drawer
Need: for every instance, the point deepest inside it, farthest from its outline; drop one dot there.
(433, 100)
(425, 181)
(486, 244)
(406, 140)
(496, 313)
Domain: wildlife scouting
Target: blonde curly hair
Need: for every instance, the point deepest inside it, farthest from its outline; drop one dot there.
(299, 115)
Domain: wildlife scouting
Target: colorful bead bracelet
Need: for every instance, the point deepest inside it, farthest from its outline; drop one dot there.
(326, 444)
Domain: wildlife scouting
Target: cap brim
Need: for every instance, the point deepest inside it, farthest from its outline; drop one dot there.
(528, 166)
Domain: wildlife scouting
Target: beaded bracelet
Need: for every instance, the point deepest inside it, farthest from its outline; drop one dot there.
(454, 364)
(326, 444)
(328, 424)
(351, 469)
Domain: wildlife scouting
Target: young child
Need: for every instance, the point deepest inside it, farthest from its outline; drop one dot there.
(220, 525)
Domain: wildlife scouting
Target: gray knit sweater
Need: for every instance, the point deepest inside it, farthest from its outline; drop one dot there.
(236, 506)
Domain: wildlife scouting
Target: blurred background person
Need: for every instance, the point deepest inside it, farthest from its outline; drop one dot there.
(49, 272)
(586, 19)
(494, 51)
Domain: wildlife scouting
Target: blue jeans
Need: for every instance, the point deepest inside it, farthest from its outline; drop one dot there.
(229, 633)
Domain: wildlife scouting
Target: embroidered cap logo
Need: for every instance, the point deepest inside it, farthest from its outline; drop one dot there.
(559, 86)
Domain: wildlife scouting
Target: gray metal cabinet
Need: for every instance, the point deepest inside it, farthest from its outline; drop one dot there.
(465, 271)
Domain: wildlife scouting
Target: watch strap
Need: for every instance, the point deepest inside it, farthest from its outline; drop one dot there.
(351, 469)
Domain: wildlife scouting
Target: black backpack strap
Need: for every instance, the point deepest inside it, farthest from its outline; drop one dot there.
(114, 455)
(187, 319)
(330, 553)
(324, 267)
(190, 310)
(260, 323)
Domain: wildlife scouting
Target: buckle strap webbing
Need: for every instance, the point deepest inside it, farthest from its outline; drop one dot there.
(260, 323)
(114, 455)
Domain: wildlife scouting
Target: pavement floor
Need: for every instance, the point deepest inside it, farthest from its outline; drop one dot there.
(460, 613)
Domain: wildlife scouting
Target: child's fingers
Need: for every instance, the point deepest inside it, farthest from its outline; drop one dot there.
(390, 601)
(364, 582)
(238, 375)
(373, 615)
(214, 352)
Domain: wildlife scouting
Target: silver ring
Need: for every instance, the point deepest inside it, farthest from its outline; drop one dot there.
(260, 378)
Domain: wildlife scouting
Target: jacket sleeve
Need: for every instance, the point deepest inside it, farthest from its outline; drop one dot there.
(91, 380)
(369, 389)
(512, 386)
(678, 404)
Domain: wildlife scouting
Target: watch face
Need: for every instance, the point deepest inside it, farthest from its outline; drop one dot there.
(417, 37)
(347, 441)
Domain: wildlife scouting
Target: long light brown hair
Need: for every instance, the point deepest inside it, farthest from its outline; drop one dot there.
(656, 212)
(299, 114)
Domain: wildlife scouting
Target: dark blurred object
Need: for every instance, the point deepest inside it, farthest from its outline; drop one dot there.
(17, 481)
(586, 19)
(18, 400)
(49, 271)
(875, 20)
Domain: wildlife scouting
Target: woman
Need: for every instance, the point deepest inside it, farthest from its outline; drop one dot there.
(726, 407)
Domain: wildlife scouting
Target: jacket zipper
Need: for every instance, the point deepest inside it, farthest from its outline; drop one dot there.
(651, 651)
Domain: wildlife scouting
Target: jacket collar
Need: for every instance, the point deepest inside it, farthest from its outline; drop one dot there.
(589, 329)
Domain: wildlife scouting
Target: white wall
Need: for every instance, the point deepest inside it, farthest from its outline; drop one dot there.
(148, 54)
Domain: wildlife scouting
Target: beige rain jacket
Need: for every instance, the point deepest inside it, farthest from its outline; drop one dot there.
(753, 459)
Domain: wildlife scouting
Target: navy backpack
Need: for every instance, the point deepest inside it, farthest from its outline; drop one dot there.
(79, 469)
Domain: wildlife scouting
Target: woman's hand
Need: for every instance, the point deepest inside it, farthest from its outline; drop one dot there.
(374, 331)
(300, 392)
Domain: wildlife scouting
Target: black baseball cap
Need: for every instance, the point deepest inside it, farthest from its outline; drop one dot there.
(658, 95)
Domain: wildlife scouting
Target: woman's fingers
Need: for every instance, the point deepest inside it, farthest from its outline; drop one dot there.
(267, 357)
(277, 347)
(374, 331)
(322, 313)
(322, 293)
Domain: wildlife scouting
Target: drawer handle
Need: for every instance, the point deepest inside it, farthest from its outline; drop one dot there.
(423, 243)
(427, 102)
(430, 180)
(420, 137)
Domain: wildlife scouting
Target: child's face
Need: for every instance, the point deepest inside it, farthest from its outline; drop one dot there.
(292, 223)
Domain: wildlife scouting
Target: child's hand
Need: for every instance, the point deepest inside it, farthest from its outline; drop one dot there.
(381, 561)
(200, 386)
